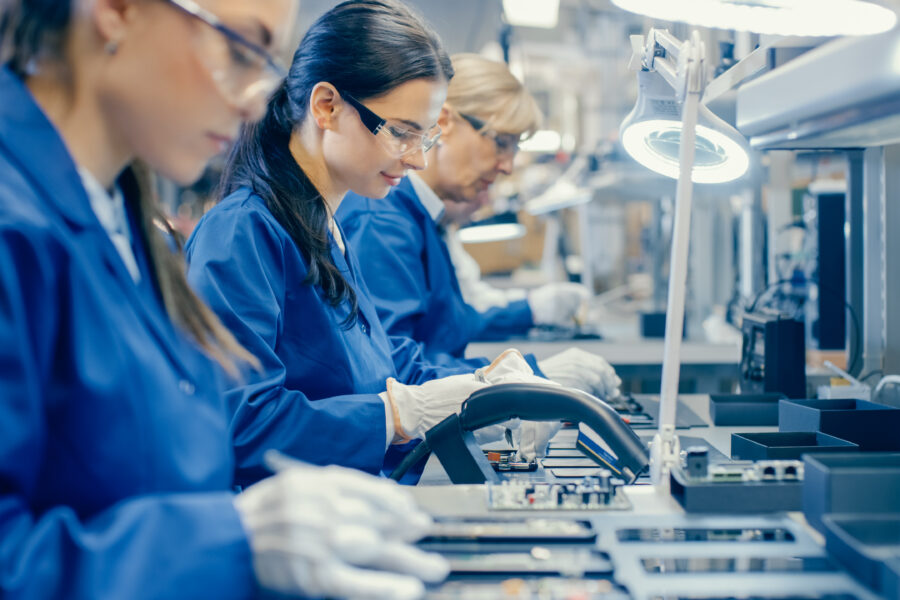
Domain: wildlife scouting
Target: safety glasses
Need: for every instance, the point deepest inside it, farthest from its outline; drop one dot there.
(506, 144)
(242, 70)
(397, 139)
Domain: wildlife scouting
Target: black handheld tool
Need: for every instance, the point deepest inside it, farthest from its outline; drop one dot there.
(453, 443)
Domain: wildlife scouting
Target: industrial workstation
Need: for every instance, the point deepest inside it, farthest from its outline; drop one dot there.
(463, 299)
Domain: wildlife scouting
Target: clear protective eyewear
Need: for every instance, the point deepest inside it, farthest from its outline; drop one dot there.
(400, 141)
(242, 70)
(507, 144)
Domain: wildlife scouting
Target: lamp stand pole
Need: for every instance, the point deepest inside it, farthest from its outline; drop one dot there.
(665, 448)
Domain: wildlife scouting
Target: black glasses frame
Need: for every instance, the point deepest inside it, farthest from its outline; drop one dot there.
(372, 122)
(480, 127)
(476, 123)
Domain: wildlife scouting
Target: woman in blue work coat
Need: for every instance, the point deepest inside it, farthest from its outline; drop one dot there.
(358, 109)
(416, 286)
(115, 455)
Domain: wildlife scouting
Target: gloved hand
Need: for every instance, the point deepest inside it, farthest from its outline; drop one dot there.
(336, 533)
(583, 371)
(557, 303)
(418, 408)
(530, 437)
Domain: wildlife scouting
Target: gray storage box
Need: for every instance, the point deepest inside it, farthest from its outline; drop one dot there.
(866, 545)
(890, 579)
(785, 446)
(856, 483)
(874, 427)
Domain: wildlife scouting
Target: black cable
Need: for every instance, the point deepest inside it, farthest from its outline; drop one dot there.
(420, 452)
(857, 328)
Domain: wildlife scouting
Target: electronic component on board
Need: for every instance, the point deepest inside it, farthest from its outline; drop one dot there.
(600, 492)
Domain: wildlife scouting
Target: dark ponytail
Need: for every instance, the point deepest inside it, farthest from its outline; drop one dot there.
(33, 34)
(363, 47)
(31, 30)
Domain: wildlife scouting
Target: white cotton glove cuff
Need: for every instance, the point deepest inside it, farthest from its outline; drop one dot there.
(418, 408)
(557, 303)
(584, 371)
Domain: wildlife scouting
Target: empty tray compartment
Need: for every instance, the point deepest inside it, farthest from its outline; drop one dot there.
(855, 483)
(785, 446)
(874, 427)
(867, 545)
(744, 409)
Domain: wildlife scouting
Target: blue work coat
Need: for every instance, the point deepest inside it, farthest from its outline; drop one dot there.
(412, 279)
(316, 397)
(115, 458)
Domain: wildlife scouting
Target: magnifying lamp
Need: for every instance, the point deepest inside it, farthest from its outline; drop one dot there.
(778, 17)
(671, 133)
(651, 134)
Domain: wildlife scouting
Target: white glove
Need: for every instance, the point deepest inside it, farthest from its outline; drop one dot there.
(530, 437)
(583, 371)
(336, 533)
(418, 408)
(557, 303)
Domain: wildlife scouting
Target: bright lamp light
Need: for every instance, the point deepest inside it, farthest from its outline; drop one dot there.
(499, 232)
(778, 17)
(543, 141)
(532, 13)
(651, 134)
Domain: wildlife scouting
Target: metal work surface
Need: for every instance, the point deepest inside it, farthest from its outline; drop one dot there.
(654, 548)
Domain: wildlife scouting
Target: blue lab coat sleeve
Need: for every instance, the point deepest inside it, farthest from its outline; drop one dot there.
(239, 267)
(500, 322)
(172, 545)
(411, 281)
(414, 368)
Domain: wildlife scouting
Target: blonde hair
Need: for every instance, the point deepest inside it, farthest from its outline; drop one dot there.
(486, 89)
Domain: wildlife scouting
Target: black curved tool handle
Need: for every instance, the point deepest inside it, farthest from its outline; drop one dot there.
(539, 402)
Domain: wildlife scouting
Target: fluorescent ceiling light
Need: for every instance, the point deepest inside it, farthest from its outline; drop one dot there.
(532, 13)
(543, 141)
(778, 17)
(562, 194)
(500, 232)
(651, 134)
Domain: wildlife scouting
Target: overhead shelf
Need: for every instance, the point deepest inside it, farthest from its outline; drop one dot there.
(843, 94)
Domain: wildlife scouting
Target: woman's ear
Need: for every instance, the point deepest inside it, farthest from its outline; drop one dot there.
(446, 121)
(111, 18)
(324, 105)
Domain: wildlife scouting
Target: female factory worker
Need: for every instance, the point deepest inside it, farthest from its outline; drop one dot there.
(408, 269)
(358, 108)
(115, 455)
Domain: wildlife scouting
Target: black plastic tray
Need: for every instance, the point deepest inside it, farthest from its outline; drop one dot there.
(751, 497)
(890, 579)
(854, 483)
(785, 446)
(874, 427)
(867, 545)
(744, 409)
